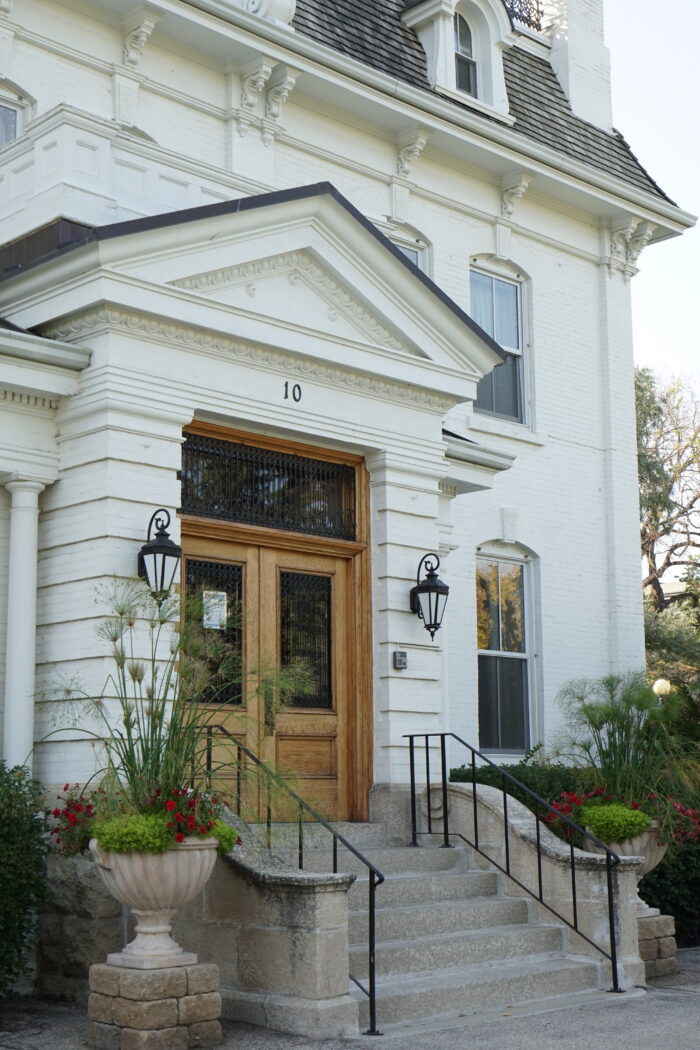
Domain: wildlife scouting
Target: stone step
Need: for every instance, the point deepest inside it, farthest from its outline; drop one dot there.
(450, 951)
(286, 835)
(389, 860)
(424, 888)
(421, 920)
(446, 994)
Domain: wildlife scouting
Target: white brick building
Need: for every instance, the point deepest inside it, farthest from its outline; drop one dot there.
(277, 224)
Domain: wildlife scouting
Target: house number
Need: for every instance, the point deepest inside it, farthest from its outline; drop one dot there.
(294, 392)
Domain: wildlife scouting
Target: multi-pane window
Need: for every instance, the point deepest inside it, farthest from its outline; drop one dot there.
(496, 307)
(465, 66)
(503, 660)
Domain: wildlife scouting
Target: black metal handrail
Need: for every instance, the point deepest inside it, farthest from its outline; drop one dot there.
(375, 876)
(611, 858)
(529, 12)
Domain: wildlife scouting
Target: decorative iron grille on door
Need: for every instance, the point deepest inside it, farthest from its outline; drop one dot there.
(235, 482)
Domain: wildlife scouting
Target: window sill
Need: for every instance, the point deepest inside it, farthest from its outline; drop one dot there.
(480, 423)
(476, 104)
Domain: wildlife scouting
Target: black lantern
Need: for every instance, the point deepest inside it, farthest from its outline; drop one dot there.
(429, 597)
(159, 557)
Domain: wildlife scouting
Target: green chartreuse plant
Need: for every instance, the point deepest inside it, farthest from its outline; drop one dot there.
(613, 822)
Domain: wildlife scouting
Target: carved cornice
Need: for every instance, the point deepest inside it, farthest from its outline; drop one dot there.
(297, 266)
(411, 145)
(254, 77)
(512, 192)
(279, 88)
(5, 7)
(281, 11)
(80, 326)
(627, 241)
(136, 40)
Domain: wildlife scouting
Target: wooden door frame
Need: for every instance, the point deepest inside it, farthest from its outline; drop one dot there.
(357, 552)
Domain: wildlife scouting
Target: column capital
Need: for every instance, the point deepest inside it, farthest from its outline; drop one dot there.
(21, 484)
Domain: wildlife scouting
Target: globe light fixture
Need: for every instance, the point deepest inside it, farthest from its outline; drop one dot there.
(662, 687)
(159, 557)
(429, 596)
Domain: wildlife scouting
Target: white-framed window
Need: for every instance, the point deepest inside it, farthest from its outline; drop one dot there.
(10, 119)
(504, 631)
(497, 307)
(465, 64)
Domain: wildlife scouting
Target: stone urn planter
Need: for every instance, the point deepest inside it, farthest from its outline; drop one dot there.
(154, 886)
(645, 845)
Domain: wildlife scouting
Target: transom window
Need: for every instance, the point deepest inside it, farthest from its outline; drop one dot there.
(465, 66)
(496, 307)
(503, 655)
(258, 486)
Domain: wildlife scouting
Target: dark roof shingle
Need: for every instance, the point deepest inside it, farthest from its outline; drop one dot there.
(373, 33)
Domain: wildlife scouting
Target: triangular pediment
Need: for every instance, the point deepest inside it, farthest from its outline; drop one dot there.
(296, 288)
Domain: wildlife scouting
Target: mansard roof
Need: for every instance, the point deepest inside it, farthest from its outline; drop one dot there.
(374, 34)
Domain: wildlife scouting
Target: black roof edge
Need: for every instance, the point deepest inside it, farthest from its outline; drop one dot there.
(264, 200)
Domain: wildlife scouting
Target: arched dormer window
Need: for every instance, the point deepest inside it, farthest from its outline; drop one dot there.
(465, 66)
(463, 42)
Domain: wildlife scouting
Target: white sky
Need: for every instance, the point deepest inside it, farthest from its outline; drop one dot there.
(654, 59)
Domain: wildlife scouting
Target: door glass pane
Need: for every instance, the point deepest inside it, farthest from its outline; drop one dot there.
(215, 591)
(487, 605)
(305, 634)
(506, 296)
(512, 602)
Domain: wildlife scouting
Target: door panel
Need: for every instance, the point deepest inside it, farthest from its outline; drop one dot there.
(294, 607)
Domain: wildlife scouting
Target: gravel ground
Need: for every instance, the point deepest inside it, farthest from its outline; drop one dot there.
(667, 1016)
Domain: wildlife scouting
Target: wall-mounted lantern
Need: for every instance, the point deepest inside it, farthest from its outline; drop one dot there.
(159, 557)
(429, 596)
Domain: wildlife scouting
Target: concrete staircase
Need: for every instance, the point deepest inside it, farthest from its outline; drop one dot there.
(450, 942)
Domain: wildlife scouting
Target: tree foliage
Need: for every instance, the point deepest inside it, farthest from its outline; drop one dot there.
(668, 450)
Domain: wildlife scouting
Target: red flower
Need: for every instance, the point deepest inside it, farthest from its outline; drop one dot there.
(179, 837)
(179, 816)
(203, 829)
(170, 804)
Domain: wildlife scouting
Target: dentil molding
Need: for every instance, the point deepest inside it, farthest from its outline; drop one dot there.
(215, 344)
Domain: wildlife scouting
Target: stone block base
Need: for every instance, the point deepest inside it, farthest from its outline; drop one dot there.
(317, 1019)
(657, 945)
(174, 1008)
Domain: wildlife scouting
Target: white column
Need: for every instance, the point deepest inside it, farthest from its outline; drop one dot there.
(18, 741)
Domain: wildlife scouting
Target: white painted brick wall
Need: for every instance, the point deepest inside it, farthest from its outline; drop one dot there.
(573, 482)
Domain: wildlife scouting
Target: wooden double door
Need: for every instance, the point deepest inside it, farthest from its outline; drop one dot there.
(297, 704)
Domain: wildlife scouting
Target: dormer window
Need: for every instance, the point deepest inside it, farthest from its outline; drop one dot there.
(465, 66)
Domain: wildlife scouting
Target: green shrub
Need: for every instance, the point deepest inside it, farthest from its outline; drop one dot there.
(614, 823)
(23, 846)
(674, 888)
(546, 779)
